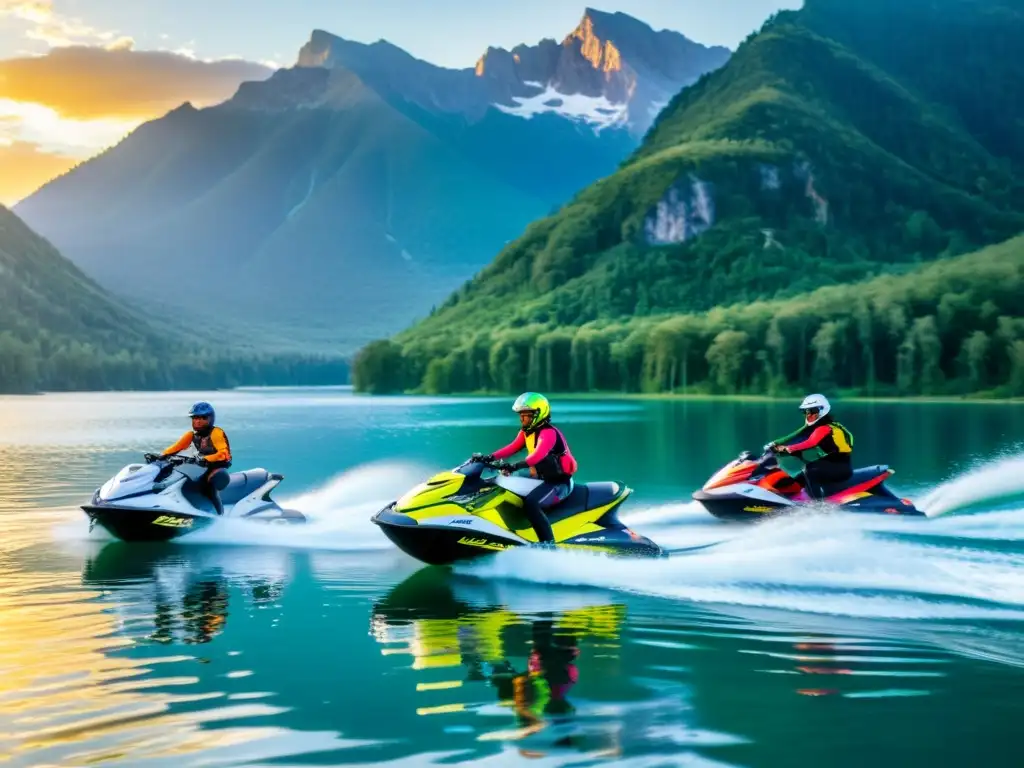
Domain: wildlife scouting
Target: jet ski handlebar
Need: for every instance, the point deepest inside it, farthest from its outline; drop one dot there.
(489, 463)
(769, 450)
(173, 460)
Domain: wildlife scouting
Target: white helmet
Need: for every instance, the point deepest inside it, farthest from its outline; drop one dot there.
(815, 407)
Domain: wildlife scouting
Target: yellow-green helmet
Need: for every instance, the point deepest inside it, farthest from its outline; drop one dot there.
(531, 402)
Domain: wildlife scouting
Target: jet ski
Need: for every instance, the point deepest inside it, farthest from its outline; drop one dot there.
(463, 514)
(750, 488)
(161, 500)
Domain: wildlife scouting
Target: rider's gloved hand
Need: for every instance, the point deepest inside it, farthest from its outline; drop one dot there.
(773, 447)
(150, 457)
(199, 460)
(485, 458)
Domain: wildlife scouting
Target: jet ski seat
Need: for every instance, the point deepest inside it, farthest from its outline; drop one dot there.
(242, 484)
(859, 476)
(582, 498)
(602, 493)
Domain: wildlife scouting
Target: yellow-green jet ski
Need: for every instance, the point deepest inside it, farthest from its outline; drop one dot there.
(463, 514)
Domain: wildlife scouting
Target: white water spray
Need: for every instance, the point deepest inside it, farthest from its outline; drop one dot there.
(818, 563)
(987, 483)
(821, 561)
(338, 513)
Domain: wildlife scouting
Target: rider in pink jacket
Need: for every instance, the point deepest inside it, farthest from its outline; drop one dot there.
(548, 459)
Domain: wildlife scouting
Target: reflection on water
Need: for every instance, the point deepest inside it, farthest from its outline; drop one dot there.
(158, 654)
(105, 664)
(530, 664)
(188, 606)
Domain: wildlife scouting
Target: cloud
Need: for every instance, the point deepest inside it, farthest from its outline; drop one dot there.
(54, 28)
(86, 82)
(89, 90)
(123, 43)
(36, 11)
(23, 169)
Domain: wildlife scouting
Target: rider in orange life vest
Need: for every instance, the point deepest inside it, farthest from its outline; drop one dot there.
(211, 443)
(548, 459)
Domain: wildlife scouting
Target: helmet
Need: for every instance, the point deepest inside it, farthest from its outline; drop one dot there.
(531, 402)
(201, 409)
(815, 407)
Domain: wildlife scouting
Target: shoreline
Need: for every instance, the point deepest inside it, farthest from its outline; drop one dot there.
(931, 399)
(858, 399)
(596, 395)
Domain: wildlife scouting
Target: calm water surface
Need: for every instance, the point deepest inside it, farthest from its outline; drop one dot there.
(819, 640)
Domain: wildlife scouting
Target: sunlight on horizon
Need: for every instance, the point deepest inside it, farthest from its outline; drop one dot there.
(53, 133)
(38, 143)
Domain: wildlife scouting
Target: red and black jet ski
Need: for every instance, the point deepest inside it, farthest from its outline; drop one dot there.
(750, 488)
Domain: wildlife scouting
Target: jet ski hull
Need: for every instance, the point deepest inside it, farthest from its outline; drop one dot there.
(145, 524)
(446, 545)
(737, 507)
(435, 544)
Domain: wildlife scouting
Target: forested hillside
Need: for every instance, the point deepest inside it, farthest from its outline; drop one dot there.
(952, 327)
(842, 142)
(60, 331)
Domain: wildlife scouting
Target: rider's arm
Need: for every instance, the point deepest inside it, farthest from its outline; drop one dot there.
(546, 440)
(183, 442)
(220, 442)
(512, 448)
(816, 437)
(794, 434)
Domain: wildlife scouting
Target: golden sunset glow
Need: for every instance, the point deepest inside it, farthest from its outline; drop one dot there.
(61, 108)
(65, 686)
(23, 169)
(37, 143)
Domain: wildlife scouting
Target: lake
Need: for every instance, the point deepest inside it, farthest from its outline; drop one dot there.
(817, 640)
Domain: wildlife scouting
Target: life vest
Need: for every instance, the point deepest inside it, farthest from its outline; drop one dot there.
(558, 466)
(203, 443)
(837, 446)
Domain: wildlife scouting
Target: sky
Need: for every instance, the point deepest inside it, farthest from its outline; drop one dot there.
(77, 75)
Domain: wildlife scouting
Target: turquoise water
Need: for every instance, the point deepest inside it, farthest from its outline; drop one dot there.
(818, 640)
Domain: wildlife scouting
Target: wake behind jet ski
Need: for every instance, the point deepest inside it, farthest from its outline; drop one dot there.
(751, 488)
(462, 515)
(162, 500)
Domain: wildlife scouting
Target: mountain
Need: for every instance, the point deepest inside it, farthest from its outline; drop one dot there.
(611, 71)
(345, 196)
(61, 331)
(840, 142)
(339, 213)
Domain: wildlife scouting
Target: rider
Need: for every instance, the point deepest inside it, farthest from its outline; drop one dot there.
(548, 460)
(830, 441)
(211, 443)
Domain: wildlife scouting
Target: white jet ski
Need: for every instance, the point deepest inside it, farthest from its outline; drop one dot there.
(162, 500)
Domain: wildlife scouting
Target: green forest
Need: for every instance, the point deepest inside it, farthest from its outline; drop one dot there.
(67, 366)
(838, 193)
(954, 327)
